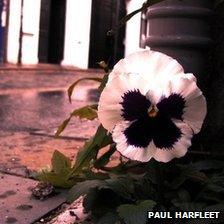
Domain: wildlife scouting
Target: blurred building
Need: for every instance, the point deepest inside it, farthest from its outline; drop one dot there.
(3, 4)
(69, 32)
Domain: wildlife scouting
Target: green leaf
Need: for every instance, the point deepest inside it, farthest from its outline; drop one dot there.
(105, 158)
(55, 179)
(144, 188)
(182, 200)
(215, 207)
(71, 88)
(218, 3)
(121, 185)
(103, 83)
(123, 21)
(89, 112)
(62, 127)
(184, 195)
(108, 218)
(101, 200)
(132, 214)
(89, 174)
(60, 163)
(129, 16)
(104, 66)
(196, 176)
(90, 150)
(57, 176)
(189, 206)
(188, 174)
(82, 188)
(210, 197)
(215, 188)
(205, 165)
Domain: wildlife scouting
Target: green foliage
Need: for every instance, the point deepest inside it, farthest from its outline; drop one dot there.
(105, 198)
(103, 83)
(57, 175)
(132, 214)
(218, 3)
(126, 197)
(71, 88)
(188, 173)
(60, 163)
(105, 158)
(123, 186)
(108, 218)
(56, 180)
(63, 174)
(91, 149)
(88, 112)
(124, 20)
(62, 127)
(105, 67)
(83, 188)
(205, 165)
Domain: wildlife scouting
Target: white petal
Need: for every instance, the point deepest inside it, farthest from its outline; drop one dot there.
(179, 148)
(110, 109)
(129, 151)
(184, 85)
(195, 107)
(149, 64)
(189, 76)
(195, 112)
(155, 93)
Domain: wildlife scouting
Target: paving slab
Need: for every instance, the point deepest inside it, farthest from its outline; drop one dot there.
(20, 150)
(18, 206)
(77, 129)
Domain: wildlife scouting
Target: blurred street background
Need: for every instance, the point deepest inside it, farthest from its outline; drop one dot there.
(46, 45)
(33, 103)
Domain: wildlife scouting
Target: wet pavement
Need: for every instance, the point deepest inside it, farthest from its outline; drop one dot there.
(33, 102)
(18, 206)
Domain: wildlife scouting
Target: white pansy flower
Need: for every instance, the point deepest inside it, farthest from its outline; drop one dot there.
(151, 107)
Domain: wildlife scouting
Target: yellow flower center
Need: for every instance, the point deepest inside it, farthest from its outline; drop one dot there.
(153, 111)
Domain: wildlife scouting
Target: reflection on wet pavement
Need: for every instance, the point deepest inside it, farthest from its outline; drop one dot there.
(31, 109)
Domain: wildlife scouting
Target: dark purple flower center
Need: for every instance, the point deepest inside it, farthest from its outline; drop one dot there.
(152, 122)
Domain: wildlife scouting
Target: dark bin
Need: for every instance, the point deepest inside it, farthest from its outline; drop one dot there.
(181, 29)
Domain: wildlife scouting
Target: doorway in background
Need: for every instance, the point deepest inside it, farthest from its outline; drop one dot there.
(52, 31)
(105, 15)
